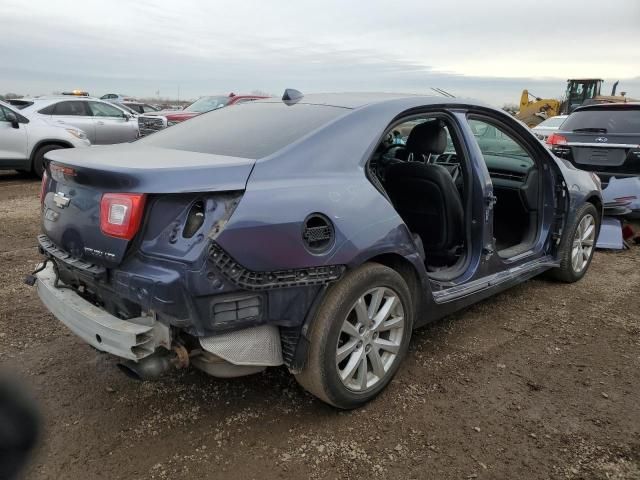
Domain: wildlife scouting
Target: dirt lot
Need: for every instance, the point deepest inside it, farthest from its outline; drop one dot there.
(542, 381)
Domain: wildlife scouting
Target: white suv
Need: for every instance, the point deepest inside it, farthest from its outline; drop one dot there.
(103, 122)
(23, 141)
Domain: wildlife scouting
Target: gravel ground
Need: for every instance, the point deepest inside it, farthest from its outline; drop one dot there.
(542, 381)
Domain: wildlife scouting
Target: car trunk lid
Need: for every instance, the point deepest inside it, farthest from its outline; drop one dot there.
(79, 178)
(601, 152)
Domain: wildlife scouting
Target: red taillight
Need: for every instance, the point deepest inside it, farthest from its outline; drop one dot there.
(556, 139)
(43, 186)
(121, 214)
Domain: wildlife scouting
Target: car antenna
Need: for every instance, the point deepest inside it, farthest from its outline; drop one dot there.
(443, 92)
(291, 95)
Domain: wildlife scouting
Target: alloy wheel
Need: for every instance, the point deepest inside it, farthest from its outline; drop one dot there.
(370, 339)
(583, 243)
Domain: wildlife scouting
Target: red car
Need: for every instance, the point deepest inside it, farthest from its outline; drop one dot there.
(203, 105)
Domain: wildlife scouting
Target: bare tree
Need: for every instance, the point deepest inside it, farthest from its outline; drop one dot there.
(512, 108)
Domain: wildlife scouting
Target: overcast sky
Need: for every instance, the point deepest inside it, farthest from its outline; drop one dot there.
(489, 50)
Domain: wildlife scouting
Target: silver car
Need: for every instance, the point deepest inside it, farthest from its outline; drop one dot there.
(103, 122)
(147, 124)
(549, 126)
(23, 142)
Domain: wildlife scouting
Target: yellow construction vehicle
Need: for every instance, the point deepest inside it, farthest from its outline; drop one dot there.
(579, 92)
(534, 111)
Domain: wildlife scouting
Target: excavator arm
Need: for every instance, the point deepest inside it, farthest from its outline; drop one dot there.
(535, 110)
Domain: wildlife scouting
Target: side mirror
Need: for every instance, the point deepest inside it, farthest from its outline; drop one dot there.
(12, 119)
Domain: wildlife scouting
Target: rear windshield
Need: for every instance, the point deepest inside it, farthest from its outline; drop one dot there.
(610, 121)
(250, 130)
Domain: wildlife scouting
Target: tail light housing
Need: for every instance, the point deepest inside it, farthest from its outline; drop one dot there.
(43, 187)
(556, 139)
(121, 214)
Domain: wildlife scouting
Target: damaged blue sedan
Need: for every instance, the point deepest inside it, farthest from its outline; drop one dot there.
(312, 231)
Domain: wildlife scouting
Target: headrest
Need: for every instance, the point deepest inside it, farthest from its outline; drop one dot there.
(428, 138)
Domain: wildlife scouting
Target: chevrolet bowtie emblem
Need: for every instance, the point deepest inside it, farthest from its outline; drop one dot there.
(60, 200)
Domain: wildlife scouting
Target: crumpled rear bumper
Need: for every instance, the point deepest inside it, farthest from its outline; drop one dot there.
(132, 339)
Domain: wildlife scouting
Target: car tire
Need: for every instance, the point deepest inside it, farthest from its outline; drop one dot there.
(37, 166)
(578, 245)
(387, 307)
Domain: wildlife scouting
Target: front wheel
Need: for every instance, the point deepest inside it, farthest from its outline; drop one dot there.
(359, 337)
(578, 245)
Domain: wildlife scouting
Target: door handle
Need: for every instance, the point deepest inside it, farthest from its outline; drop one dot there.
(100, 122)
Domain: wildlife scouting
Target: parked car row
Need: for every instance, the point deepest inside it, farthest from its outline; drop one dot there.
(29, 127)
(24, 141)
(204, 105)
(103, 122)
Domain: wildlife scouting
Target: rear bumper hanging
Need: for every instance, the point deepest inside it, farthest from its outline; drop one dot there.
(132, 339)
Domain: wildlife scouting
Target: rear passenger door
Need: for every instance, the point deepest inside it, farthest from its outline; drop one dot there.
(112, 124)
(75, 113)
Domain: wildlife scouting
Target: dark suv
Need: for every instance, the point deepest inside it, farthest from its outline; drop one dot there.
(314, 231)
(604, 139)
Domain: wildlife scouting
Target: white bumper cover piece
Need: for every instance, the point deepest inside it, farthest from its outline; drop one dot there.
(259, 346)
(132, 339)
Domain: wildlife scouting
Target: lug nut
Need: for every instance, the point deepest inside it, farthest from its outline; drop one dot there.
(359, 345)
(367, 349)
(361, 330)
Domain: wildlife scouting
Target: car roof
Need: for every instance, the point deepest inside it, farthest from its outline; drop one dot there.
(60, 97)
(610, 106)
(360, 99)
(46, 100)
(556, 117)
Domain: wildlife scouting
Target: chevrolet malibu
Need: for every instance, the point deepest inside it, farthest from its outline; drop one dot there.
(312, 231)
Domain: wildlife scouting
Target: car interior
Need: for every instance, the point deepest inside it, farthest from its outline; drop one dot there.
(417, 165)
(420, 166)
(516, 187)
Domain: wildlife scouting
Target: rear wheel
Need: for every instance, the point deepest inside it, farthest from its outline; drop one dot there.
(359, 337)
(578, 245)
(38, 158)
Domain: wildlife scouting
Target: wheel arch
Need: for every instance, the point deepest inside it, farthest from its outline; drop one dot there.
(418, 285)
(596, 201)
(44, 143)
